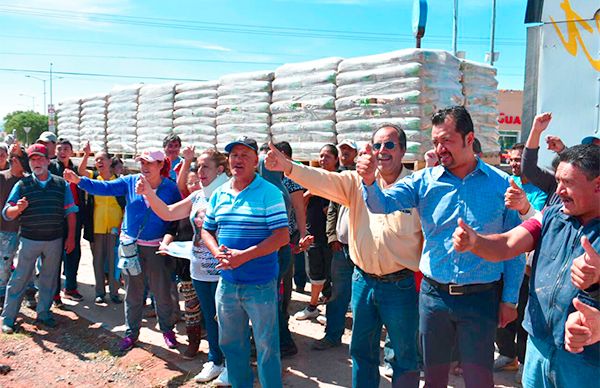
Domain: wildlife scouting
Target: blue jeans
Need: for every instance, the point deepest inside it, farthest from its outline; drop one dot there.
(547, 366)
(374, 304)
(341, 293)
(236, 305)
(470, 321)
(206, 294)
(9, 242)
(300, 277)
(29, 251)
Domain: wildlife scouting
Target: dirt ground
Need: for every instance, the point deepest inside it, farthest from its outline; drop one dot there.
(82, 350)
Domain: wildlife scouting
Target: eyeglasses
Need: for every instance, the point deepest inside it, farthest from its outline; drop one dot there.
(389, 145)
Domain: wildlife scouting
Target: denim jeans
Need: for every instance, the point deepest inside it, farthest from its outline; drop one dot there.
(206, 294)
(236, 305)
(374, 304)
(9, 242)
(470, 321)
(547, 366)
(29, 251)
(71, 261)
(300, 277)
(341, 293)
(285, 262)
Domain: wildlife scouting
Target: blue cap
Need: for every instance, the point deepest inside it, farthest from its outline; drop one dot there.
(590, 139)
(243, 140)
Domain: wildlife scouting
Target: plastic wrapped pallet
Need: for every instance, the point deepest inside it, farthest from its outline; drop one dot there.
(93, 121)
(480, 90)
(243, 107)
(154, 115)
(401, 87)
(68, 120)
(121, 130)
(303, 106)
(194, 115)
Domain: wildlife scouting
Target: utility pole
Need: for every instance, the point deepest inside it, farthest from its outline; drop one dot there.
(44, 108)
(455, 27)
(493, 33)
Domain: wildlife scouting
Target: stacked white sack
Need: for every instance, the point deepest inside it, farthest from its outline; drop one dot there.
(480, 89)
(303, 105)
(68, 119)
(195, 112)
(401, 87)
(154, 115)
(122, 122)
(243, 107)
(92, 127)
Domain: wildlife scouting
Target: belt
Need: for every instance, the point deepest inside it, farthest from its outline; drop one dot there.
(457, 289)
(390, 277)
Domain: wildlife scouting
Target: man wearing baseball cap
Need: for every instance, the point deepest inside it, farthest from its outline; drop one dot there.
(41, 202)
(593, 139)
(245, 225)
(48, 139)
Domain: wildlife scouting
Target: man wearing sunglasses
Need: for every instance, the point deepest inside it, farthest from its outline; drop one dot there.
(385, 249)
(459, 296)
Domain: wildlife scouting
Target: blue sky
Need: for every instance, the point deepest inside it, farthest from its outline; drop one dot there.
(197, 39)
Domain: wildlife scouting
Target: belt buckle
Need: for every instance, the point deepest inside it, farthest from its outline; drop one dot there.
(451, 290)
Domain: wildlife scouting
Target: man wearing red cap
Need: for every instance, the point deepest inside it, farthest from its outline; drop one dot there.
(41, 202)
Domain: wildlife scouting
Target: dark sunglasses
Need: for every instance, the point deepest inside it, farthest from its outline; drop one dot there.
(389, 145)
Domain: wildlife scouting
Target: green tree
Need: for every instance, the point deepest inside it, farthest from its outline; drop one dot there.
(19, 119)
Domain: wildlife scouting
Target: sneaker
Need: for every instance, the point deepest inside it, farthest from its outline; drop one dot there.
(48, 322)
(324, 344)
(286, 351)
(30, 302)
(209, 372)
(99, 300)
(306, 314)
(126, 344)
(7, 329)
(322, 319)
(72, 295)
(519, 374)
(57, 302)
(170, 339)
(115, 299)
(222, 380)
(506, 363)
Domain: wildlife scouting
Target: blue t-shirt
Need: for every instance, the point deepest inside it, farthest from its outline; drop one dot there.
(137, 214)
(245, 219)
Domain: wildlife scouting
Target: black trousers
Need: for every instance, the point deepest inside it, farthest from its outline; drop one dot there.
(505, 337)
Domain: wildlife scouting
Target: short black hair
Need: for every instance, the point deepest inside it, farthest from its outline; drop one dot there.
(477, 146)
(171, 137)
(518, 146)
(284, 147)
(399, 131)
(462, 118)
(64, 141)
(264, 147)
(586, 157)
(115, 160)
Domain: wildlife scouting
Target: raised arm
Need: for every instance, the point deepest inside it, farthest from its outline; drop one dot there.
(82, 170)
(529, 163)
(173, 212)
(113, 188)
(189, 153)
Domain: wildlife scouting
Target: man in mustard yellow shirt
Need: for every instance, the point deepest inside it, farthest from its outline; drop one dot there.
(385, 250)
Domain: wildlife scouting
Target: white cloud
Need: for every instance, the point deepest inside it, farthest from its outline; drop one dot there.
(198, 44)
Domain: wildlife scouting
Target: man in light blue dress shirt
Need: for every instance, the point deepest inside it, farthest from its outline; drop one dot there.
(462, 296)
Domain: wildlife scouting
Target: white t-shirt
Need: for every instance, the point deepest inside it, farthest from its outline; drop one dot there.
(203, 264)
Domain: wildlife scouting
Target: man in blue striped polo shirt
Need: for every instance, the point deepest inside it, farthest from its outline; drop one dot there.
(246, 223)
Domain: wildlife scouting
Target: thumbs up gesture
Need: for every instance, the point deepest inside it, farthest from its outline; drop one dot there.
(366, 164)
(585, 271)
(464, 237)
(277, 161)
(582, 327)
(142, 187)
(516, 199)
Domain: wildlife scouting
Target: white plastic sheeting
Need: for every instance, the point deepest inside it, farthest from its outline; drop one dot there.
(121, 126)
(195, 112)
(92, 125)
(67, 115)
(242, 107)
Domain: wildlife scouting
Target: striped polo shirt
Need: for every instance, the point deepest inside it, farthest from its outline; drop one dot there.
(245, 219)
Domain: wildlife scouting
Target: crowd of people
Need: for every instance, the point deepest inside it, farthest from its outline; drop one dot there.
(453, 259)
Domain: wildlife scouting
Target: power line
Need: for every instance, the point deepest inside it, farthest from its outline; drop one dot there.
(141, 58)
(235, 28)
(73, 73)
